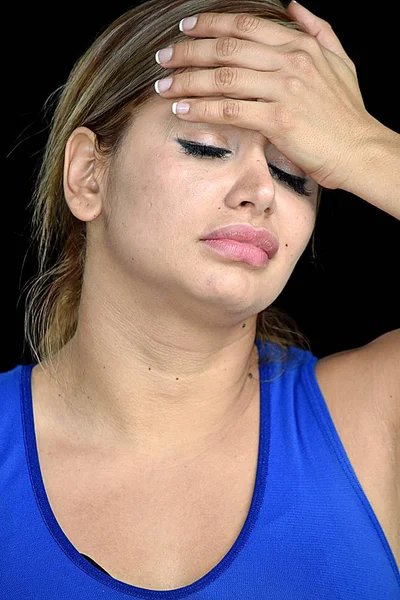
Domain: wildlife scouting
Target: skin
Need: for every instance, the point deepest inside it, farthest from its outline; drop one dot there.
(159, 364)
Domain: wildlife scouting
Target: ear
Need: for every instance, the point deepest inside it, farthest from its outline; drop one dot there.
(81, 175)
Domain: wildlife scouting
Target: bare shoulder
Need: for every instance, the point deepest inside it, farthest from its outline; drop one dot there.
(361, 388)
(370, 375)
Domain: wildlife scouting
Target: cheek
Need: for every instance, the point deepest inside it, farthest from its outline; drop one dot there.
(149, 204)
(296, 228)
(142, 182)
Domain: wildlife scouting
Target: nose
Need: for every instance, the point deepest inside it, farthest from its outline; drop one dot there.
(259, 187)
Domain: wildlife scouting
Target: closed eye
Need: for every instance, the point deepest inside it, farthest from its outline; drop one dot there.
(298, 184)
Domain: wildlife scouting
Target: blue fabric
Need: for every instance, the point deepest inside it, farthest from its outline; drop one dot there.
(310, 534)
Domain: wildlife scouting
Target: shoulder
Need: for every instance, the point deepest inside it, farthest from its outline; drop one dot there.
(361, 388)
(368, 376)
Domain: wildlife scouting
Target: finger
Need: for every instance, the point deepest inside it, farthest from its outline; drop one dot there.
(225, 51)
(226, 81)
(318, 28)
(239, 113)
(242, 25)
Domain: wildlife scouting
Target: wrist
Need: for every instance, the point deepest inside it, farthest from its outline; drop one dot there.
(375, 166)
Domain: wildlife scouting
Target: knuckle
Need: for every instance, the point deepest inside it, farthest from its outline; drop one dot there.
(188, 51)
(230, 109)
(326, 24)
(186, 80)
(225, 78)
(205, 108)
(245, 23)
(309, 43)
(227, 47)
(301, 60)
(352, 65)
(210, 19)
(294, 85)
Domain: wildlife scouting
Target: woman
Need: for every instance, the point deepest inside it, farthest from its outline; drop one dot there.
(175, 435)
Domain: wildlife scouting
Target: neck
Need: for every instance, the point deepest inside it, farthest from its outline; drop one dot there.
(155, 400)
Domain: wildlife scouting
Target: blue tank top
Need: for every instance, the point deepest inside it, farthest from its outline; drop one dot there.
(310, 533)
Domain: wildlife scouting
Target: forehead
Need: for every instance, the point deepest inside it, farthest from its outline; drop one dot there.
(171, 124)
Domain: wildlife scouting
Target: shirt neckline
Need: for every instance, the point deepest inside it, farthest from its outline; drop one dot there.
(75, 556)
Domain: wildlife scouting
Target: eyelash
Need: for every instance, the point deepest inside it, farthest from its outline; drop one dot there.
(298, 184)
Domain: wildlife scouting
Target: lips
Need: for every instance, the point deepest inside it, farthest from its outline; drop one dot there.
(244, 233)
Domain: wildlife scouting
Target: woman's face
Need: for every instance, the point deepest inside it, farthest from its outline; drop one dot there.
(163, 202)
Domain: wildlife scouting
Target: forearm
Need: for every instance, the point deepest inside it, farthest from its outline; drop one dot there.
(375, 176)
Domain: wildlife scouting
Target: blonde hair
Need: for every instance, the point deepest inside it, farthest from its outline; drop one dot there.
(105, 90)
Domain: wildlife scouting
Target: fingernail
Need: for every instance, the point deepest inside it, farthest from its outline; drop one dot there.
(162, 85)
(180, 108)
(188, 23)
(164, 55)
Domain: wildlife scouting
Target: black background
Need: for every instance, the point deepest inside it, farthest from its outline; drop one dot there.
(347, 299)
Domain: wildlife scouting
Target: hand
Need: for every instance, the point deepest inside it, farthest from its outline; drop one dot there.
(308, 102)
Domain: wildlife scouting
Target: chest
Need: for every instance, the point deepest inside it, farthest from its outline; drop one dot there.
(159, 528)
(163, 527)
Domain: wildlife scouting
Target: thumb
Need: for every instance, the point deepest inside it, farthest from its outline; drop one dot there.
(318, 28)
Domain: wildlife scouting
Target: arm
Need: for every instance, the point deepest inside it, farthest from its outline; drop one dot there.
(375, 176)
(372, 376)
(381, 358)
(362, 386)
